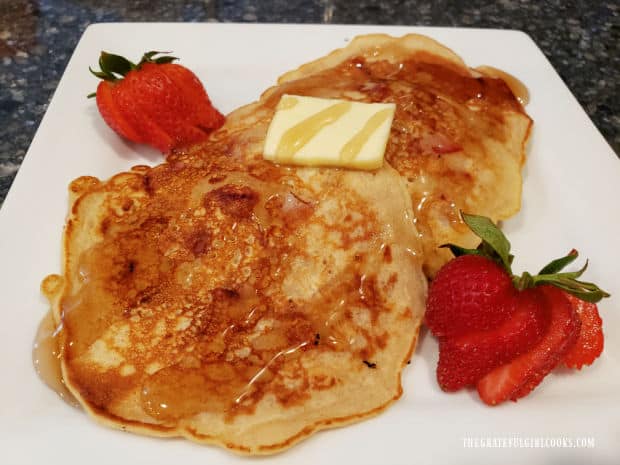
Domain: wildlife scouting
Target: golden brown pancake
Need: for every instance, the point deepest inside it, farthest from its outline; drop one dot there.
(236, 302)
(458, 136)
(233, 301)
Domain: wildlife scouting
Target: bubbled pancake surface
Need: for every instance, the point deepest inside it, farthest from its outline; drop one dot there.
(236, 302)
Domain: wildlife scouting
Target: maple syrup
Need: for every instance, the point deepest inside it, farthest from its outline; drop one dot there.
(46, 359)
(516, 86)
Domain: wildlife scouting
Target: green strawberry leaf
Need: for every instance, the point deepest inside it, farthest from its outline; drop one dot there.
(568, 281)
(457, 250)
(589, 292)
(115, 64)
(494, 244)
(149, 57)
(115, 67)
(558, 264)
(102, 75)
(164, 60)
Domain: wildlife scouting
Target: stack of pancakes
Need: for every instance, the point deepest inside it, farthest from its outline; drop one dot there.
(234, 301)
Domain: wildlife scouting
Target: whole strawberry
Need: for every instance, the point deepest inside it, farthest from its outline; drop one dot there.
(505, 333)
(155, 102)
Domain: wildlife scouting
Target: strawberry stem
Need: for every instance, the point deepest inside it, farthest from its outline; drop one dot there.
(523, 282)
(496, 247)
(115, 67)
(568, 281)
(558, 264)
(149, 57)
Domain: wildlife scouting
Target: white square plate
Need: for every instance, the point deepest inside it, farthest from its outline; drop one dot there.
(571, 186)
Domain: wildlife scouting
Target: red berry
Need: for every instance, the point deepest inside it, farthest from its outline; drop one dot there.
(590, 342)
(159, 103)
(519, 377)
(502, 332)
(464, 359)
(469, 293)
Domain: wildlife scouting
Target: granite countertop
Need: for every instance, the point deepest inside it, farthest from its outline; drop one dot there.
(581, 39)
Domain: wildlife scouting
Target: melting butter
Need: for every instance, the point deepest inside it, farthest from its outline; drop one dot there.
(330, 132)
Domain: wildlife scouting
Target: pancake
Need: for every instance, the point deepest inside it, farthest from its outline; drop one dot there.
(236, 302)
(229, 300)
(458, 138)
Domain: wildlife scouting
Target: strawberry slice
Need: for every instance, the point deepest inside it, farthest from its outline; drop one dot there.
(112, 114)
(590, 342)
(519, 377)
(463, 360)
(132, 109)
(204, 117)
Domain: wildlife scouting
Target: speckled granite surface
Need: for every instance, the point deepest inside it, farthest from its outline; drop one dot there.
(580, 38)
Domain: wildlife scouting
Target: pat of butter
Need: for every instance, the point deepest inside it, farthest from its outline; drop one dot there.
(316, 131)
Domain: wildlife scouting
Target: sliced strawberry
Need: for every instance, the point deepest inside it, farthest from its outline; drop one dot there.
(156, 136)
(188, 134)
(136, 105)
(203, 113)
(463, 360)
(209, 118)
(155, 101)
(112, 115)
(489, 321)
(590, 342)
(182, 119)
(470, 293)
(519, 377)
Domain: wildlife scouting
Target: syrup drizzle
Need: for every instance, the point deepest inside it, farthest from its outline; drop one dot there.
(287, 102)
(46, 359)
(516, 86)
(357, 142)
(295, 138)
